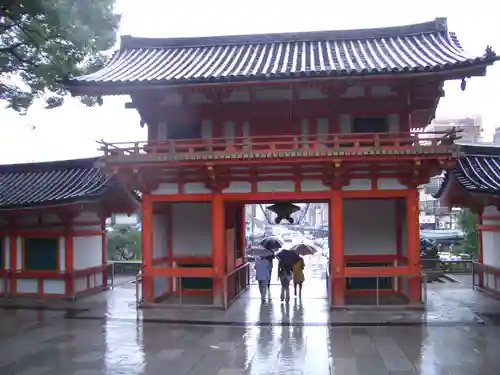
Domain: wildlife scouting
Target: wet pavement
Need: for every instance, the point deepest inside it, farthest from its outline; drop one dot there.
(103, 334)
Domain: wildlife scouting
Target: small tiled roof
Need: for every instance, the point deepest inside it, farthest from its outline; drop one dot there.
(477, 171)
(424, 47)
(52, 183)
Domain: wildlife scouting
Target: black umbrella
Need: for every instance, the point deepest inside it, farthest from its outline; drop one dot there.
(288, 257)
(271, 243)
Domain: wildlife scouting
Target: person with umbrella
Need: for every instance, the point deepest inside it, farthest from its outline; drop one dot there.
(284, 276)
(287, 258)
(298, 276)
(270, 258)
(263, 275)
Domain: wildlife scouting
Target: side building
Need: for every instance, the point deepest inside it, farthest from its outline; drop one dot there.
(475, 184)
(52, 227)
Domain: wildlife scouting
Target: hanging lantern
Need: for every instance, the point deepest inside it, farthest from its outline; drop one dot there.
(283, 210)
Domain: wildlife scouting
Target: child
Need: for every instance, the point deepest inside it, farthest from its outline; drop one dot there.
(298, 276)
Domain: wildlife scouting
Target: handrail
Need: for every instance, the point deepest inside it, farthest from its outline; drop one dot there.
(358, 141)
(138, 291)
(421, 275)
(225, 284)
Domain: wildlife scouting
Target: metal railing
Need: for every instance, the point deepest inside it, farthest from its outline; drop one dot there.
(138, 287)
(110, 275)
(456, 266)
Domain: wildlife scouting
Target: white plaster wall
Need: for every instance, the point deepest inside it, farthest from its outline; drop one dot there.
(19, 253)
(313, 185)
(53, 286)
(28, 286)
(491, 246)
(192, 229)
(166, 189)
(276, 186)
(160, 243)
(87, 218)
(87, 252)
(159, 236)
(358, 184)
(6, 253)
(369, 226)
(390, 184)
(81, 284)
(236, 187)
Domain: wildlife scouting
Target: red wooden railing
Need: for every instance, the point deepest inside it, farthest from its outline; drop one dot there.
(354, 143)
(486, 278)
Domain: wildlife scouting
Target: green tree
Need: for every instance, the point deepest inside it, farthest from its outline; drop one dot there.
(124, 243)
(468, 222)
(44, 41)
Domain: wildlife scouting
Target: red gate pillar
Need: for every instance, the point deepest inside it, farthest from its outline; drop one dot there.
(147, 248)
(218, 259)
(479, 234)
(413, 246)
(336, 243)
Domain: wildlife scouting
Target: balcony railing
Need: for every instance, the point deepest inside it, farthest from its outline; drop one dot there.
(282, 146)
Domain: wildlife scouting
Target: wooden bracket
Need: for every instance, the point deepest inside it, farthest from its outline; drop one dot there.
(418, 175)
(218, 94)
(335, 176)
(217, 179)
(148, 179)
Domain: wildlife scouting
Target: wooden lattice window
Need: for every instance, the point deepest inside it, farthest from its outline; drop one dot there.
(370, 124)
(41, 254)
(184, 131)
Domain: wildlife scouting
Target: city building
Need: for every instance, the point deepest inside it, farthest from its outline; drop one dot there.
(496, 136)
(433, 215)
(470, 126)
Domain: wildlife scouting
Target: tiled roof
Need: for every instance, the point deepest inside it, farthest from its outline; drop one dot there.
(415, 48)
(51, 183)
(476, 173)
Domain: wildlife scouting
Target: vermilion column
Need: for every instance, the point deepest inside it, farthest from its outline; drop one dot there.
(68, 260)
(480, 249)
(218, 258)
(413, 246)
(147, 247)
(336, 242)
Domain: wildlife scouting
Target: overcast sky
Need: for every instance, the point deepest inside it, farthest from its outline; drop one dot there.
(71, 131)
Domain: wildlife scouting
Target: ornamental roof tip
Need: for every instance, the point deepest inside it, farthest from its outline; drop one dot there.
(489, 52)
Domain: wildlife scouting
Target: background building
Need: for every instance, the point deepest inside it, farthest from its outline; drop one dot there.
(496, 136)
(471, 126)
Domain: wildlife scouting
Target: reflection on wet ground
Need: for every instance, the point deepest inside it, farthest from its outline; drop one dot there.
(104, 335)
